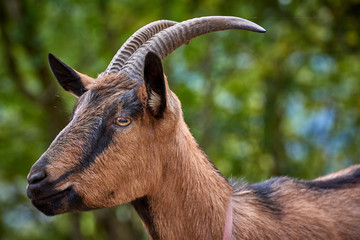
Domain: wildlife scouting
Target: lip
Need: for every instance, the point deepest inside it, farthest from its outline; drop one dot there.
(55, 196)
(53, 203)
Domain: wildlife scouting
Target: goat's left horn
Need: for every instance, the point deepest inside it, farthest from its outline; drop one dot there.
(169, 39)
(134, 42)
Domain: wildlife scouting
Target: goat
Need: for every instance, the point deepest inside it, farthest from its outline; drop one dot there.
(127, 142)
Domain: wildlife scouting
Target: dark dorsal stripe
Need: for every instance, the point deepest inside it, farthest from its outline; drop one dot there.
(340, 182)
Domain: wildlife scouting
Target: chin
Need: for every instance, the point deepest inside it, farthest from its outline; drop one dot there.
(59, 202)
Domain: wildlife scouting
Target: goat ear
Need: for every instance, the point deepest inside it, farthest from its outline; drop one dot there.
(155, 84)
(71, 80)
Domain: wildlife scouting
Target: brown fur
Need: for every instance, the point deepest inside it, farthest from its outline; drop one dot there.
(300, 212)
(156, 164)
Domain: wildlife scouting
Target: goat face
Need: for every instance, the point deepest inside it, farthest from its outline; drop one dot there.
(124, 123)
(114, 136)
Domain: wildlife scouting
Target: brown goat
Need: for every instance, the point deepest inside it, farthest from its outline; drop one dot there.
(127, 142)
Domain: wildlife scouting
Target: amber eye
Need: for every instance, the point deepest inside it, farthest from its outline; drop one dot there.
(122, 122)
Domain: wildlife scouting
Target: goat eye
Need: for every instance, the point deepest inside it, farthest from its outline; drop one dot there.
(122, 122)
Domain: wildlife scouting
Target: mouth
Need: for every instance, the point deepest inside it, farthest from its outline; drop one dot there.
(54, 203)
(53, 197)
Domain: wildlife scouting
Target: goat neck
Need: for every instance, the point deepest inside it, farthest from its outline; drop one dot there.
(194, 204)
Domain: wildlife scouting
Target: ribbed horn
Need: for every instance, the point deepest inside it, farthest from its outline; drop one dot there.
(169, 39)
(134, 42)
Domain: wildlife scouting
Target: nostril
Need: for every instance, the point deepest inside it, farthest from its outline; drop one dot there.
(36, 177)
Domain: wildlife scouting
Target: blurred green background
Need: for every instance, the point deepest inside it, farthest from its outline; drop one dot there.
(282, 103)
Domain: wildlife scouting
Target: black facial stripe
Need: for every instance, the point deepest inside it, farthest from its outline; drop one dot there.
(103, 137)
(65, 176)
(99, 136)
(100, 145)
(99, 142)
(93, 143)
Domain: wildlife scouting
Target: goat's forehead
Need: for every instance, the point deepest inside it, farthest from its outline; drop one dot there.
(107, 89)
(108, 94)
(113, 81)
(104, 102)
(95, 100)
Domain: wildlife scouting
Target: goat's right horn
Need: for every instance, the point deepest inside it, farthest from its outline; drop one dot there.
(134, 42)
(169, 39)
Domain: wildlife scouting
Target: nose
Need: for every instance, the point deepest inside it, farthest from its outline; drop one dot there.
(38, 173)
(36, 177)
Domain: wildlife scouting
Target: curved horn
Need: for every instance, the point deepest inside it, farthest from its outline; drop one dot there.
(169, 39)
(134, 42)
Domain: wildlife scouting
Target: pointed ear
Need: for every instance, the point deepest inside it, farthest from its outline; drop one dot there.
(71, 80)
(155, 84)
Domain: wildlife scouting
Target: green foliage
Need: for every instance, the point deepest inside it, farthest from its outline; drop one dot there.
(282, 103)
